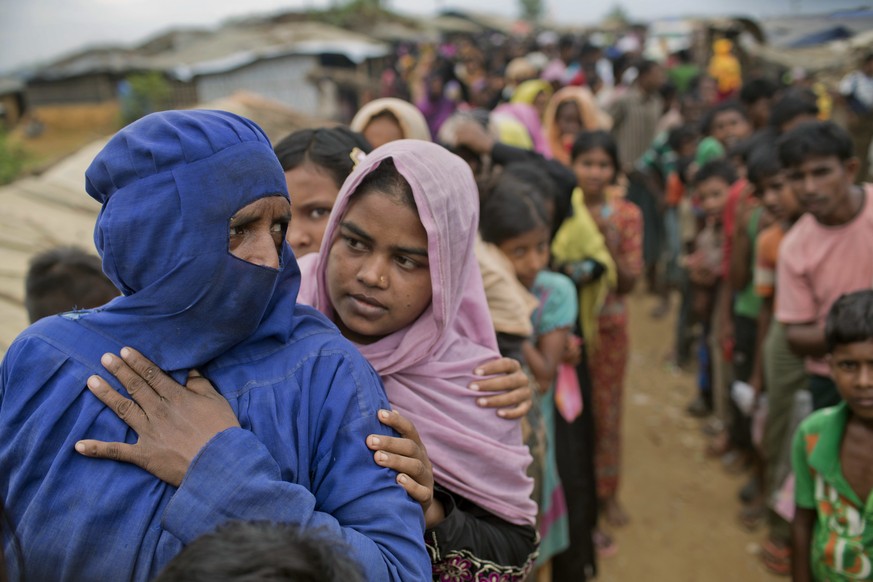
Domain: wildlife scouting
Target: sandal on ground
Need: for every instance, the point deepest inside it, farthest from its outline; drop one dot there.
(776, 558)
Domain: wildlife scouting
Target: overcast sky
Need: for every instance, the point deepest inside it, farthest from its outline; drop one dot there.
(36, 30)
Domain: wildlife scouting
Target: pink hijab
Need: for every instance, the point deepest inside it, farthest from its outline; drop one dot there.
(427, 366)
(527, 115)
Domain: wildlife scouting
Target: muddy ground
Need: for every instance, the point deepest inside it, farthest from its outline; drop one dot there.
(683, 505)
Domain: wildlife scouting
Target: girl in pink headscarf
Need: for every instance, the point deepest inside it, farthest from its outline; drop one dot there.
(398, 275)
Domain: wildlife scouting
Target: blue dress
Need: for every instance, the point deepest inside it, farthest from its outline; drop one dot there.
(558, 309)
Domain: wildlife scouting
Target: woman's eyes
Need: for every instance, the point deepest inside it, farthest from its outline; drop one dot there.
(235, 231)
(406, 262)
(354, 244)
(319, 213)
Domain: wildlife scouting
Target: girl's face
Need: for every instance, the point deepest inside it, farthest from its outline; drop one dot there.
(528, 253)
(381, 130)
(568, 119)
(778, 198)
(594, 171)
(313, 193)
(730, 126)
(713, 194)
(378, 274)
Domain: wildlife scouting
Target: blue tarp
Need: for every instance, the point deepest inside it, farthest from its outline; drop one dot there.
(822, 36)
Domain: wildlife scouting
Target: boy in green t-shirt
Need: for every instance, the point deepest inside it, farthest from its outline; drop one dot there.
(833, 457)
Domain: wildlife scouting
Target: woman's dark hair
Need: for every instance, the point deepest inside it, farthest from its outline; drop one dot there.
(791, 106)
(814, 139)
(743, 149)
(537, 177)
(719, 168)
(592, 140)
(240, 551)
(709, 118)
(763, 163)
(757, 89)
(679, 136)
(328, 148)
(511, 208)
(386, 179)
(850, 319)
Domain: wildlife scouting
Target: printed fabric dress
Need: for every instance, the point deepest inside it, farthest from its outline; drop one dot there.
(609, 362)
(558, 309)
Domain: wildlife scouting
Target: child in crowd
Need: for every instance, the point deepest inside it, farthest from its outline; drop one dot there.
(832, 455)
(725, 126)
(516, 219)
(242, 551)
(316, 163)
(777, 370)
(657, 168)
(571, 110)
(791, 110)
(388, 119)
(829, 251)
(711, 184)
(597, 167)
(63, 279)
(757, 97)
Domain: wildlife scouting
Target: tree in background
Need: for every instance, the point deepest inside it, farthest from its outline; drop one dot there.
(617, 16)
(532, 10)
(143, 93)
(12, 158)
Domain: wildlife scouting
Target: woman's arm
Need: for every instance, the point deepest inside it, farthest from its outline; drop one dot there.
(233, 476)
(544, 357)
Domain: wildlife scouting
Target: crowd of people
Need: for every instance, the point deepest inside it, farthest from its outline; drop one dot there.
(396, 350)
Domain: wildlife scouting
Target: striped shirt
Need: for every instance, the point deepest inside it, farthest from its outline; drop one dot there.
(635, 118)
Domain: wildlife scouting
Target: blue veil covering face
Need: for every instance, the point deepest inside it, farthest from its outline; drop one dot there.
(169, 185)
(304, 397)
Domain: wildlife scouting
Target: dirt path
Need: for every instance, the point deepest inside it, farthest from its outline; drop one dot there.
(683, 506)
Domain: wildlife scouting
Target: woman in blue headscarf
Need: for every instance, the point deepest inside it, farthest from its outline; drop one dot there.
(192, 226)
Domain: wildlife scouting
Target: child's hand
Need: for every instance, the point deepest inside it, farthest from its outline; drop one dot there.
(573, 351)
(702, 276)
(408, 457)
(517, 395)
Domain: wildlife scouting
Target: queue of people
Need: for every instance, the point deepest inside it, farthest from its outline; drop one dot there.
(404, 342)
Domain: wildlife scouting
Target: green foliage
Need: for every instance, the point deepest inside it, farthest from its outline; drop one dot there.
(531, 10)
(352, 13)
(12, 158)
(144, 93)
(618, 15)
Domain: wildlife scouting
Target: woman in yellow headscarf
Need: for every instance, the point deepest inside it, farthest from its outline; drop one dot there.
(570, 111)
(725, 68)
(534, 92)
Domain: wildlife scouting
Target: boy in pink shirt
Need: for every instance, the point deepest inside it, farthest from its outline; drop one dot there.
(829, 251)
